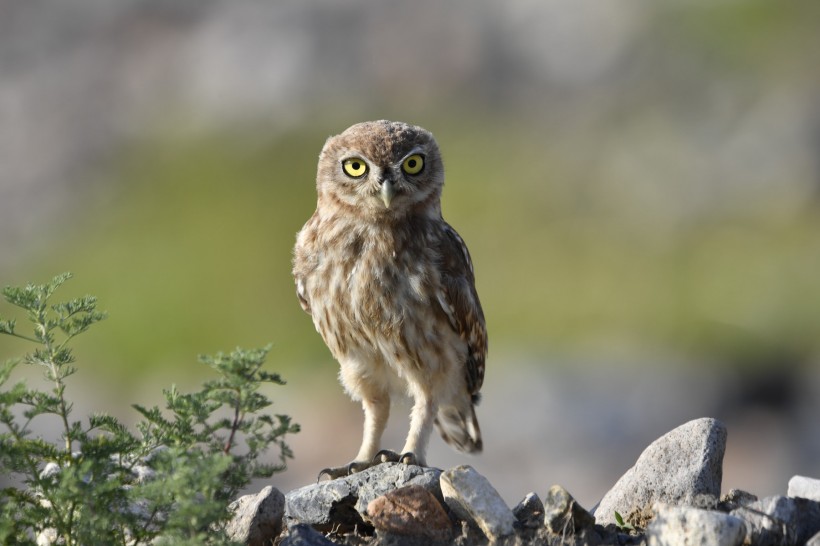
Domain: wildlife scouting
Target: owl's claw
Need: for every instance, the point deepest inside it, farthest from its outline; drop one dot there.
(342, 471)
(388, 456)
(332, 473)
(383, 456)
(409, 458)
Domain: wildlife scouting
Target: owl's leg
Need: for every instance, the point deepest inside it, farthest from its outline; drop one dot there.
(376, 412)
(421, 425)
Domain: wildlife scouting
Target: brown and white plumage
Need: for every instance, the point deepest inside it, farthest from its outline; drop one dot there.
(390, 286)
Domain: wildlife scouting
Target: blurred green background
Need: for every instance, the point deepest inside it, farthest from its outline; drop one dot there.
(638, 183)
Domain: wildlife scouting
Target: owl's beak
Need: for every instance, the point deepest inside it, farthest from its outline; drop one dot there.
(388, 192)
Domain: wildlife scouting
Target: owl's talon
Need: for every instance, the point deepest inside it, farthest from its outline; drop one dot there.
(332, 473)
(357, 466)
(346, 470)
(386, 456)
(389, 456)
(409, 458)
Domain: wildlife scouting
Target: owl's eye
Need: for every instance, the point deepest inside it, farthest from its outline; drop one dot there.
(354, 167)
(413, 164)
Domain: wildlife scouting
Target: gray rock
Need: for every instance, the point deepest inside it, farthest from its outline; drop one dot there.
(562, 514)
(343, 501)
(471, 497)
(680, 525)
(679, 468)
(735, 498)
(305, 535)
(814, 541)
(530, 511)
(257, 519)
(803, 487)
(780, 520)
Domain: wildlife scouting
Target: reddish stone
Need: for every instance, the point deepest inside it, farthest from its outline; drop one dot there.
(410, 511)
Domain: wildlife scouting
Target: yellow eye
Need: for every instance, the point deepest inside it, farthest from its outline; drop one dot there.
(354, 167)
(413, 164)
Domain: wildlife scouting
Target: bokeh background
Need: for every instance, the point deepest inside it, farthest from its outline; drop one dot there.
(638, 182)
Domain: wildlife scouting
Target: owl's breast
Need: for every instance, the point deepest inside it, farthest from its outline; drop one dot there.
(376, 296)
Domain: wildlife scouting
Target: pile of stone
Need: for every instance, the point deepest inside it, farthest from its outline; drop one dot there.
(671, 496)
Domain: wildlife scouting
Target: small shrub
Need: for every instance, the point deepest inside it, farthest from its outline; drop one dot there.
(169, 483)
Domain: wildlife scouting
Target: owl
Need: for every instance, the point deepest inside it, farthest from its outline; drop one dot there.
(391, 290)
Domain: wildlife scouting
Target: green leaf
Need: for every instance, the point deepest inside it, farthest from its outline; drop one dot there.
(7, 326)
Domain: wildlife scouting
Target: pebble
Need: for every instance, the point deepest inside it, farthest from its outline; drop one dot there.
(780, 520)
(682, 525)
(562, 514)
(411, 511)
(804, 487)
(305, 535)
(257, 519)
(529, 512)
(736, 498)
(471, 497)
(678, 468)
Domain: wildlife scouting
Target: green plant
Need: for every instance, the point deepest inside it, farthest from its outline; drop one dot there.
(623, 525)
(101, 483)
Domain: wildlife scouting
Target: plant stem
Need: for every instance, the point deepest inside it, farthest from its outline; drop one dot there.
(55, 375)
(237, 417)
(21, 336)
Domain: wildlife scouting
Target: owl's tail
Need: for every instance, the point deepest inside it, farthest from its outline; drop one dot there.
(459, 427)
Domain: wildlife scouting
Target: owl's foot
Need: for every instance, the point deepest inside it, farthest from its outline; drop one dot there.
(383, 456)
(388, 456)
(346, 470)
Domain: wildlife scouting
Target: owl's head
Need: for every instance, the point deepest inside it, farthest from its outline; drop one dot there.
(382, 168)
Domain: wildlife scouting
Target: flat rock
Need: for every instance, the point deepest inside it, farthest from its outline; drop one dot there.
(804, 487)
(472, 498)
(410, 511)
(680, 468)
(780, 520)
(562, 514)
(343, 501)
(257, 519)
(679, 525)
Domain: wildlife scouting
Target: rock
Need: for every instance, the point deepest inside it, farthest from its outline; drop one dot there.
(803, 487)
(676, 469)
(257, 519)
(676, 525)
(780, 520)
(305, 535)
(342, 502)
(410, 511)
(814, 541)
(735, 498)
(471, 497)
(562, 514)
(530, 512)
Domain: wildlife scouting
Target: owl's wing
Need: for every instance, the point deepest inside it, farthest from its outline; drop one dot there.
(459, 300)
(304, 260)
(302, 295)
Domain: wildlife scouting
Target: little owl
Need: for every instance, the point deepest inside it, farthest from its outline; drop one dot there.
(390, 287)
